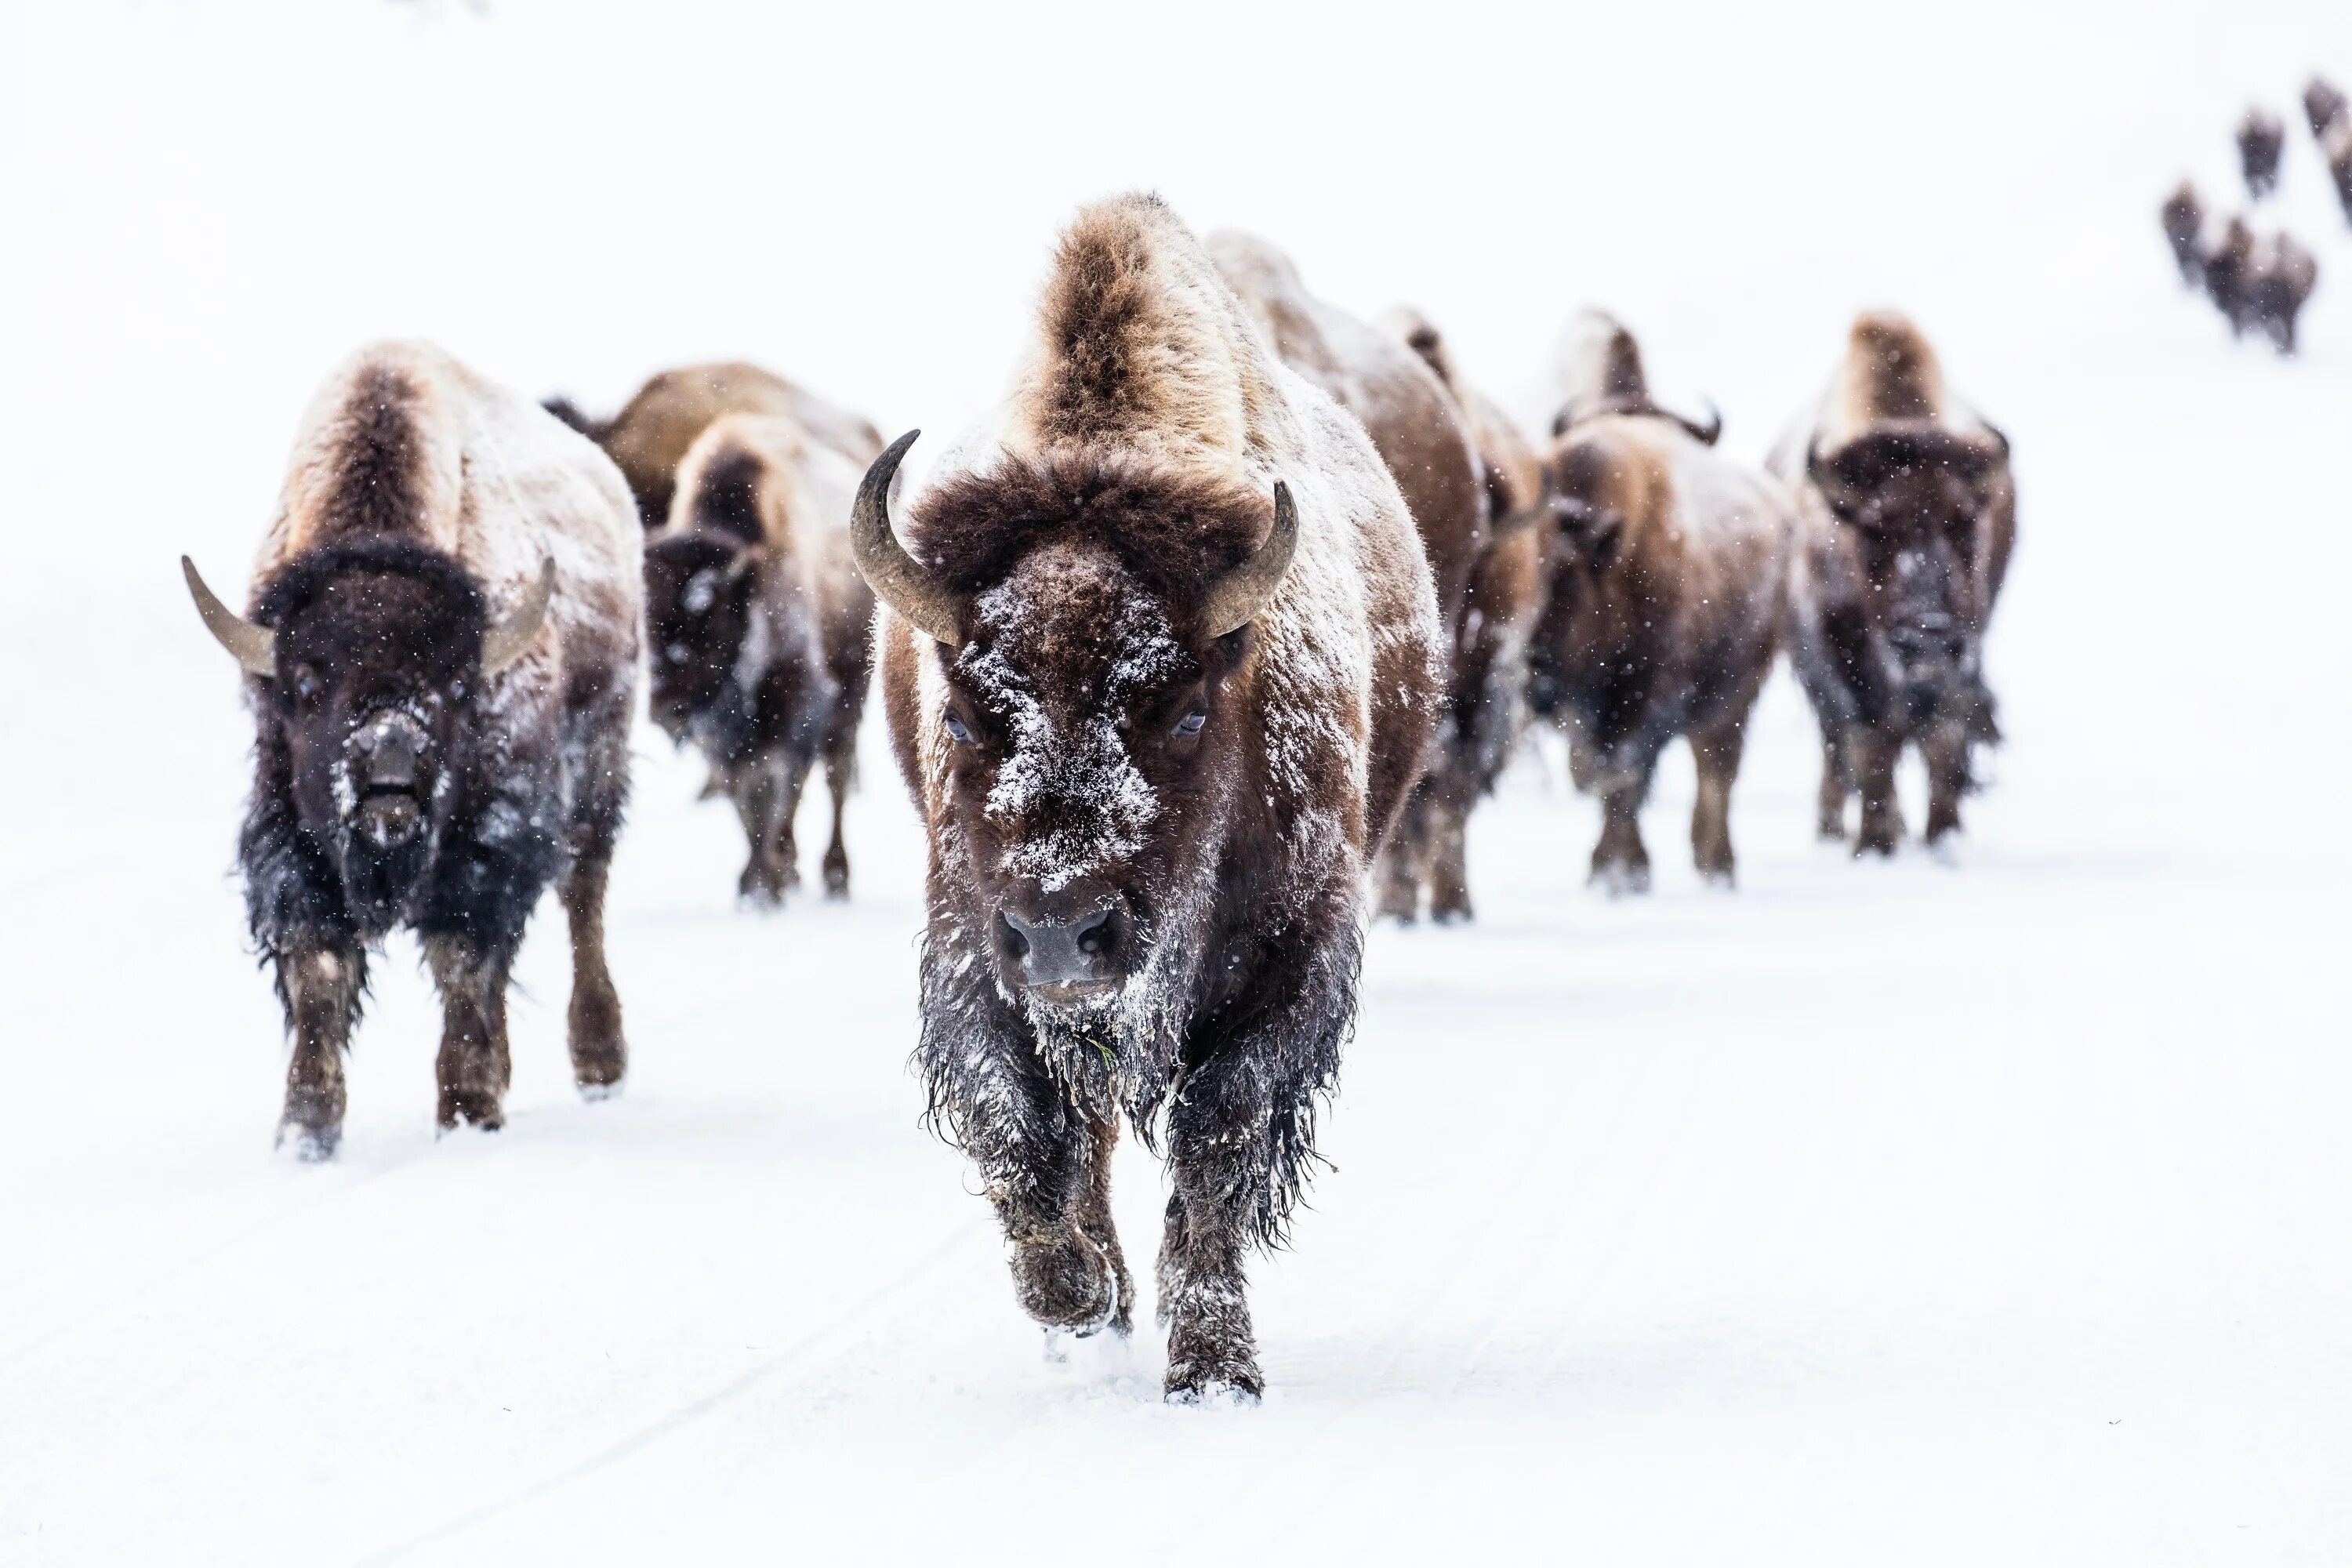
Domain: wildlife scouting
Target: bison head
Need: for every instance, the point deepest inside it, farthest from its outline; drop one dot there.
(1086, 622)
(699, 608)
(366, 657)
(1915, 496)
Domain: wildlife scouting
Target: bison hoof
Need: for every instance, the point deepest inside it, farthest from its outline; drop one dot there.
(596, 1090)
(309, 1145)
(470, 1108)
(836, 877)
(1067, 1283)
(1877, 841)
(1238, 1387)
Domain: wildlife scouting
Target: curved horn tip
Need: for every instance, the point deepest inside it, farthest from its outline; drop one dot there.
(1241, 594)
(897, 579)
(253, 647)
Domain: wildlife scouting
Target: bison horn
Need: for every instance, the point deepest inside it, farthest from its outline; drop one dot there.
(1235, 599)
(897, 579)
(252, 646)
(1706, 434)
(504, 643)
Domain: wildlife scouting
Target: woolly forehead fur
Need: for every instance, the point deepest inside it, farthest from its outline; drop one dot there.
(1600, 363)
(1889, 371)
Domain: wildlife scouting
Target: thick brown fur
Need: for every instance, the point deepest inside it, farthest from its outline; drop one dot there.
(1208, 805)
(1486, 699)
(1424, 437)
(399, 781)
(1667, 568)
(2183, 216)
(649, 439)
(2262, 138)
(2262, 284)
(1602, 363)
(761, 631)
(1907, 517)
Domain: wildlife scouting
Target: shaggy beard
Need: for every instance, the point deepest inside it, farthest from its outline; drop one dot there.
(378, 878)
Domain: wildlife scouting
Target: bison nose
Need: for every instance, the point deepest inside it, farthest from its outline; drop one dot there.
(1066, 959)
(390, 749)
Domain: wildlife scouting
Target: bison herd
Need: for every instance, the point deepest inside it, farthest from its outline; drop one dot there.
(1194, 657)
(2260, 283)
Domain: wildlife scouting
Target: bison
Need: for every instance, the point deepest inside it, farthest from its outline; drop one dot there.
(649, 436)
(1159, 661)
(2183, 216)
(759, 628)
(2261, 284)
(1486, 699)
(2336, 148)
(1421, 434)
(440, 654)
(2262, 138)
(2323, 104)
(1667, 566)
(1906, 515)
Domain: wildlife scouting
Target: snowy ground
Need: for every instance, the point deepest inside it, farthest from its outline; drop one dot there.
(1997, 1211)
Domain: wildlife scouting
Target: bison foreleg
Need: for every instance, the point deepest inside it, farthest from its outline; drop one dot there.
(320, 983)
(1944, 749)
(1403, 863)
(1872, 754)
(767, 792)
(1829, 815)
(473, 1068)
(1619, 862)
(840, 772)
(600, 1053)
(1716, 753)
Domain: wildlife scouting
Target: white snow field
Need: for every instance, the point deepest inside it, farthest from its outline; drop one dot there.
(1997, 1211)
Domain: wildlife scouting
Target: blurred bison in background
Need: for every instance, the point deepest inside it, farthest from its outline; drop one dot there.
(759, 628)
(649, 436)
(1160, 661)
(2262, 138)
(2335, 147)
(1906, 518)
(1667, 567)
(1424, 438)
(2323, 104)
(1486, 700)
(441, 657)
(2184, 228)
(2261, 284)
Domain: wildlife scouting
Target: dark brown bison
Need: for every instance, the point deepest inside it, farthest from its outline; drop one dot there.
(2323, 104)
(1907, 517)
(441, 655)
(1487, 698)
(1160, 662)
(761, 631)
(2184, 230)
(2336, 149)
(1421, 432)
(1667, 568)
(2261, 284)
(649, 436)
(2262, 138)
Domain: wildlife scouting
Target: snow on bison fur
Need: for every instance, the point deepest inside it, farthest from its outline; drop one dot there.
(440, 653)
(1160, 663)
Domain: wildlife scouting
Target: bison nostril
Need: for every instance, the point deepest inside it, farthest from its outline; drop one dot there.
(1016, 937)
(1095, 934)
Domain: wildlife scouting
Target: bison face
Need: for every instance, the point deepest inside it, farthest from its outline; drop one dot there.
(698, 614)
(1916, 504)
(373, 672)
(1083, 728)
(1084, 740)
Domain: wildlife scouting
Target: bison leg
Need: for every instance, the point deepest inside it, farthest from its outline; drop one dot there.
(1828, 820)
(1716, 752)
(321, 984)
(1067, 1268)
(1449, 872)
(840, 771)
(473, 1068)
(1872, 755)
(1404, 861)
(600, 1053)
(1620, 863)
(767, 793)
(1944, 749)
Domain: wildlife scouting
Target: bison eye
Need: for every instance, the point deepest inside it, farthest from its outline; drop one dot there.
(306, 682)
(958, 730)
(1191, 723)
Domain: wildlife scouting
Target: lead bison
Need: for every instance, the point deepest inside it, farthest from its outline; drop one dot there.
(441, 657)
(1421, 434)
(649, 439)
(761, 632)
(1668, 567)
(1160, 665)
(1485, 707)
(2262, 138)
(1906, 518)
